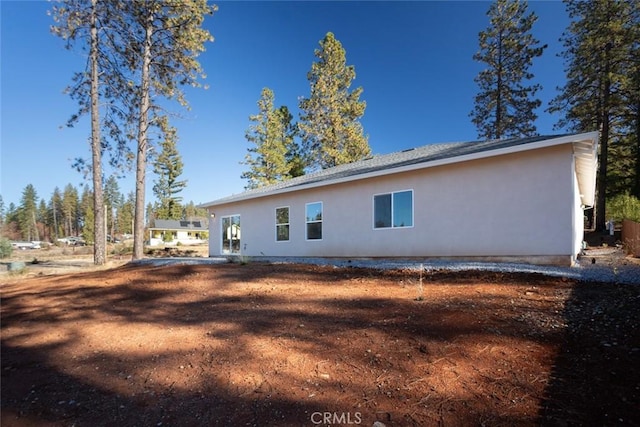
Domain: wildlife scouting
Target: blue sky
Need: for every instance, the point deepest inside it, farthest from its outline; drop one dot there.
(413, 60)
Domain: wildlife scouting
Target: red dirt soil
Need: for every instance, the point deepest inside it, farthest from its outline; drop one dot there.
(293, 345)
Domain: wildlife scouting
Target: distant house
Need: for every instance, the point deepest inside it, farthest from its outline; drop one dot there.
(184, 232)
(518, 199)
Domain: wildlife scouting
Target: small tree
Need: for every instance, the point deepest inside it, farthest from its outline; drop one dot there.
(5, 247)
(272, 157)
(623, 206)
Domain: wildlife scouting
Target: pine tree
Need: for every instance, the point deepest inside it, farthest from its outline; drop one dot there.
(42, 220)
(70, 210)
(28, 213)
(273, 137)
(631, 100)
(87, 214)
(190, 210)
(149, 53)
(329, 123)
(112, 200)
(295, 157)
(2, 213)
(505, 105)
(168, 167)
(56, 213)
(162, 50)
(599, 52)
(125, 214)
(102, 92)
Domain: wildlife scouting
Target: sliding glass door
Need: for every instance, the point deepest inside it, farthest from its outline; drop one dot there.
(231, 235)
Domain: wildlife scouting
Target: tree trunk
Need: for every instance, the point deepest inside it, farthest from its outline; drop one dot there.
(499, 113)
(601, 210)
(55, 220)
(141, 162)
(99, 249)
(636, 182)
(35, 227)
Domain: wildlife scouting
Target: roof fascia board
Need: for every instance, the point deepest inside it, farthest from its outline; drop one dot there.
(416, 166)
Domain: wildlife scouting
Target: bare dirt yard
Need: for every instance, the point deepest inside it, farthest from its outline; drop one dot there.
(301, 345)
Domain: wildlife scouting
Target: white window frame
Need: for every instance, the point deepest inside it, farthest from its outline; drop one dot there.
(393, 193)
(306, 222)
(222, 231)
(288, 224)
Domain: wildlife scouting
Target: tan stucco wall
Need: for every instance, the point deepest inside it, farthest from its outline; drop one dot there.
(519, 204)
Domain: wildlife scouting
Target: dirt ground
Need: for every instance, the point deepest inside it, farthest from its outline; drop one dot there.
(293, 345)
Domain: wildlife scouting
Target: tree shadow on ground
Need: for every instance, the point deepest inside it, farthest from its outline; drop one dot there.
(252, 316)
(596, 377)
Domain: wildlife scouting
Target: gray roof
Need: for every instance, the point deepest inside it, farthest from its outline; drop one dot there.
(386, 162)
(174, 224)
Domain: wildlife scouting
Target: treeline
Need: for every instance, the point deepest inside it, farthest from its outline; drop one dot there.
(601, 92)
(329, 128)
(69, 212)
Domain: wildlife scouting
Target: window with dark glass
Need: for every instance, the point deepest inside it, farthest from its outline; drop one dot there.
(282, 224)
(393, 210)
(314, 220)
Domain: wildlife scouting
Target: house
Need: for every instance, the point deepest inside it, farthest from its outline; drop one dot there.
(173, 232)
(518, 199)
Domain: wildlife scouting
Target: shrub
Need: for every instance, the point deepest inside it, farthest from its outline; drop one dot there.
(623, 206)
(5, 248)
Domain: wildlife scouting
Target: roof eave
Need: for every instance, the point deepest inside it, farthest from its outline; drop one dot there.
(568, 139)
(585, 151)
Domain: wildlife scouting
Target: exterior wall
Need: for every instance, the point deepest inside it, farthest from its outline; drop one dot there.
(514, 205)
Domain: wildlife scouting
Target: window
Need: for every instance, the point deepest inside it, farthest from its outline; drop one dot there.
(282, 224)
(393, 210)
(314, 221)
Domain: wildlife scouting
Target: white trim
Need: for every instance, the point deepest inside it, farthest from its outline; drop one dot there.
(306, 234)
(413, 221)
(275, 212)
(585, 173)
(222, 234)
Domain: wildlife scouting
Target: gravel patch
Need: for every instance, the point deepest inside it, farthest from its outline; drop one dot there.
(585, 270)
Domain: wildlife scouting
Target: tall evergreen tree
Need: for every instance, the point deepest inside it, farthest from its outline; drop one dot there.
(112, 199)
(329, 123)
(55, 206)
(11, 220)
(190, 210)
(151, 50)
(77, 17)
(505, 105)
(168, 167)
(125, 214)
(42, 219)
(164, 43)
(87, 214)
(631, 96)
(294, 158)
(599, 54)
(2, 213)
(70, 210)
(273, 137)
(28, 213)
